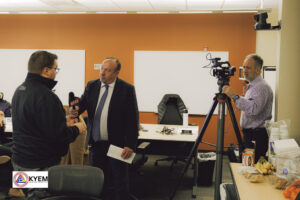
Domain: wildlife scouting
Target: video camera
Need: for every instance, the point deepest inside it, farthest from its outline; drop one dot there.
(221, 70)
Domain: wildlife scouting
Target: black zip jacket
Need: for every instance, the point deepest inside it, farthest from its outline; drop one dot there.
(40, 134)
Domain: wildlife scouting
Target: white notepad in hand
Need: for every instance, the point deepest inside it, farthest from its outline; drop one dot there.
(115, 152)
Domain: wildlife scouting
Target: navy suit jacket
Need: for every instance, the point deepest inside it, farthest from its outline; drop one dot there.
(123, 115)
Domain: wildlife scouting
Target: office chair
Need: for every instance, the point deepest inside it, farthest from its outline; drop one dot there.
(76, 182)
(170, 111)
(140, 158)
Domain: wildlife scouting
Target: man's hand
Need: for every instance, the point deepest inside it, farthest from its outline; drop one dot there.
(70, 120)
(73, 112)
(228, 91)
(81, 126)
(1, 118)
(126, 153)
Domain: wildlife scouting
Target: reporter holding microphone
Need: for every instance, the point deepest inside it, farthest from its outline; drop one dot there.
(41, 130)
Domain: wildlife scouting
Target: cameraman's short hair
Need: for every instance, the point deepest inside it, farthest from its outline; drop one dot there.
(257, 60)
(116, 61)
(39, 60)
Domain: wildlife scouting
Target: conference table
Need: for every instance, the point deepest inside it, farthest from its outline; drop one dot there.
(153, 132)
(249, 191)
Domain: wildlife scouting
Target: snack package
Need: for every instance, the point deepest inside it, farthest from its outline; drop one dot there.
(256, 178)
(282, 181)
(248, 157)
(247, 171)
(251, 174)
(292, 191)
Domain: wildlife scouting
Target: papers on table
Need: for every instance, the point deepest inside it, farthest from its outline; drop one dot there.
(115, 152)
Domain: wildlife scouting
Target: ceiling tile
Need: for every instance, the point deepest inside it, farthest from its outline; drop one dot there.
(65, 5)
(10, 5)
(168, 4)
(96, 5)
(204, 4)
(241, 4)
(133, 5)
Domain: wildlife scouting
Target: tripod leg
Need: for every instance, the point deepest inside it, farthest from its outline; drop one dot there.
(194, 151)
(235, 126)
(219, 151)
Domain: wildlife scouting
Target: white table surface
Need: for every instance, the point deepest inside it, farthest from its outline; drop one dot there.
(152, 132)
(251, 191)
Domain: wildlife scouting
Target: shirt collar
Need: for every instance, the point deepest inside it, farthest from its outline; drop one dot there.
(255, 81)
(111, 85)
(50, 83)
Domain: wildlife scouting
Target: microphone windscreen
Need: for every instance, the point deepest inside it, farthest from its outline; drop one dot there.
(71, 97)
(73, 101)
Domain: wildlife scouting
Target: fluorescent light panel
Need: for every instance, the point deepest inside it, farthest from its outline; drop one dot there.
(4, 12)
(70, 12)
(194, 12)
(111, 12)
(240, 11)
(152, 12)
(32, 12)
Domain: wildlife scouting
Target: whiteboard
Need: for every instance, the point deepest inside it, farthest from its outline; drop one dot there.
(269, 74)
(70, 77)
(157, 73)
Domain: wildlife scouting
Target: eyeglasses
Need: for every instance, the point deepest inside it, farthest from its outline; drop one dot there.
(56, 69)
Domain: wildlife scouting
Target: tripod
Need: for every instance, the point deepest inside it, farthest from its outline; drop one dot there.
(220, 99)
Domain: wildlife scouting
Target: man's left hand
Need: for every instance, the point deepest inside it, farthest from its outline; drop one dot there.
(126, 153)
(228, 91)
(70, 120)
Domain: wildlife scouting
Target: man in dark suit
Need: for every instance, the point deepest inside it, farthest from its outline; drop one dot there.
(112, 119)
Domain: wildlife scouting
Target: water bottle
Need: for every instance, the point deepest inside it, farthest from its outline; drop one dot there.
(185, 116)
(274, 135)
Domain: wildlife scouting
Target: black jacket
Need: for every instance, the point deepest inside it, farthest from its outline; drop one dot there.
(40, 133)
(122, 119)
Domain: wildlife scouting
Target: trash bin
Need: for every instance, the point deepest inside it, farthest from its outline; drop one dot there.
(206, 164)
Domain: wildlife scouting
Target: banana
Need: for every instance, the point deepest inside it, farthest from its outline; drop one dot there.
(264, 167)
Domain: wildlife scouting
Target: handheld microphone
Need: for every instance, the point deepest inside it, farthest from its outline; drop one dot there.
(73, 101)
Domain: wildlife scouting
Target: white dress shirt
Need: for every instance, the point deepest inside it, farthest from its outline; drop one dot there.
(103, 119)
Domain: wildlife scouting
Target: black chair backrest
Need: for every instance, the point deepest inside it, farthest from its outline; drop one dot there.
(172, 114)
(75, 180)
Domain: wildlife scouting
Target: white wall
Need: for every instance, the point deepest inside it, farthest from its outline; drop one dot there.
(266, 41)
(288, 78)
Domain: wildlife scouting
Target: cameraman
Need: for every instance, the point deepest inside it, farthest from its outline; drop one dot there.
(256, 106)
